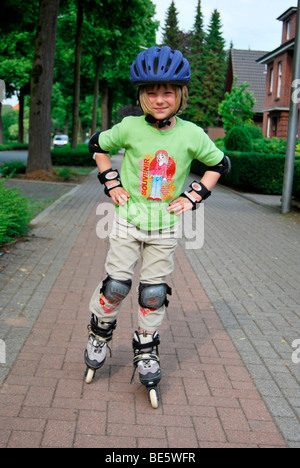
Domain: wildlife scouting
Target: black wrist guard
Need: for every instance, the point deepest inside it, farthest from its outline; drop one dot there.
(111, 175)
(200, 189)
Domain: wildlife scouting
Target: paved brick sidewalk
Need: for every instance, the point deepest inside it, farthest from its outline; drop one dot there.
(249, 268)
(208, 398)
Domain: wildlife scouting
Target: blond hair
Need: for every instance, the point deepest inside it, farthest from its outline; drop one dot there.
(181, 93)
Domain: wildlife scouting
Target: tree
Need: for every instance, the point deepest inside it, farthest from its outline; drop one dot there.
(76, 96)
(17, 32)
(171, 32)
(126, 26)
(39, 156)
(237, 107)
(208, 67)
(197, 48)
(214, 39)
(64, 66)
(215, 71)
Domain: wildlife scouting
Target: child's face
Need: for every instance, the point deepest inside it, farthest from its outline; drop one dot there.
(162, 101)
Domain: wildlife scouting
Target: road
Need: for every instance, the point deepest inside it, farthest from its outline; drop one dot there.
(8, 156)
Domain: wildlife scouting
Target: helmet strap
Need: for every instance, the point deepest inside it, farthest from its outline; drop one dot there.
(160, 123)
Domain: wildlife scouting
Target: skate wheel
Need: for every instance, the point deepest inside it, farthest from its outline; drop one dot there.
(153, 396)
(90, 373)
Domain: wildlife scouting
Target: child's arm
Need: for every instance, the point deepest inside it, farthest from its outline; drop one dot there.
(182, 204)
(119, 194)
(201, 191)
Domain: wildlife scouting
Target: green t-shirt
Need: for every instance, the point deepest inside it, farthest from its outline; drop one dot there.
(156, 165)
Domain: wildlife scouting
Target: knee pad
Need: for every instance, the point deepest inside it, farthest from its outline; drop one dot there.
(153, 296)
(115, 290)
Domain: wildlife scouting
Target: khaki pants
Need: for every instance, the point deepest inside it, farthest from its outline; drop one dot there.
(127, 245)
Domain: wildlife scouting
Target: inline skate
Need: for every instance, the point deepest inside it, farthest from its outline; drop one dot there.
(95, 353)
(146, 360)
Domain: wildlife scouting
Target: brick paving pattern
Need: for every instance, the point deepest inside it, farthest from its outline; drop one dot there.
(216, 389)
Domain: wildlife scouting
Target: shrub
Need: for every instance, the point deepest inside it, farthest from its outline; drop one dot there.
(254, 131)
(261, 173)
(238, 139)
(13, 146)
(269, 146)
(14, 214)
(68, 157)
(296, 187)
(64, 173)
(10, 169)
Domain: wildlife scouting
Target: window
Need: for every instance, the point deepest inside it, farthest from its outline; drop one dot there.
(271, 80)
(288, 30)
(269, 127)
(279, 80)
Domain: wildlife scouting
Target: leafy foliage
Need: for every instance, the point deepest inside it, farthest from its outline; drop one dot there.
(237, 107)
(14, 214)
(238, 139)
(9, 169)
(256, 172)
(273, 146)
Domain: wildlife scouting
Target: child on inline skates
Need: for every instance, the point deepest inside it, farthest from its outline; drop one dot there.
(159, 149)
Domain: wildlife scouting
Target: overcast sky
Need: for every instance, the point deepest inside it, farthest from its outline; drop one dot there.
(247, 23)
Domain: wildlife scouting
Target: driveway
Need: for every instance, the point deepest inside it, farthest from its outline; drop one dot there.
(9, 156)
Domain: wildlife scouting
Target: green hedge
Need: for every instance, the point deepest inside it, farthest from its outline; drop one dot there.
(261, 173)
(296, 190)
(80, 157)
(68, 157)
(13, 146)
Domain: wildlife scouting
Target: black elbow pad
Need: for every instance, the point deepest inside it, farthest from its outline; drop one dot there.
(223, 167)
(94, 146)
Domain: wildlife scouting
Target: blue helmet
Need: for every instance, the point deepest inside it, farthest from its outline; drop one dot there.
(161, 65)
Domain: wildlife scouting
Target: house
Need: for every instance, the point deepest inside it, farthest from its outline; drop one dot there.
(279, 64)
(243, 65)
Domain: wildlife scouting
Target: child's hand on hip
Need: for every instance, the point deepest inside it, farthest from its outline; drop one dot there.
(180, 206)
(119, 196)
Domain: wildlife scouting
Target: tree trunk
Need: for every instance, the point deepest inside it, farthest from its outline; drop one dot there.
(110, 106)
(1, 126)
(76, 98)
(96, 97)
(106, 106)
(39, 155)
(21, 117)
(66, 127)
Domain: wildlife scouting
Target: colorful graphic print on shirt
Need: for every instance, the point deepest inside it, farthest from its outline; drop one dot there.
(157, 176)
